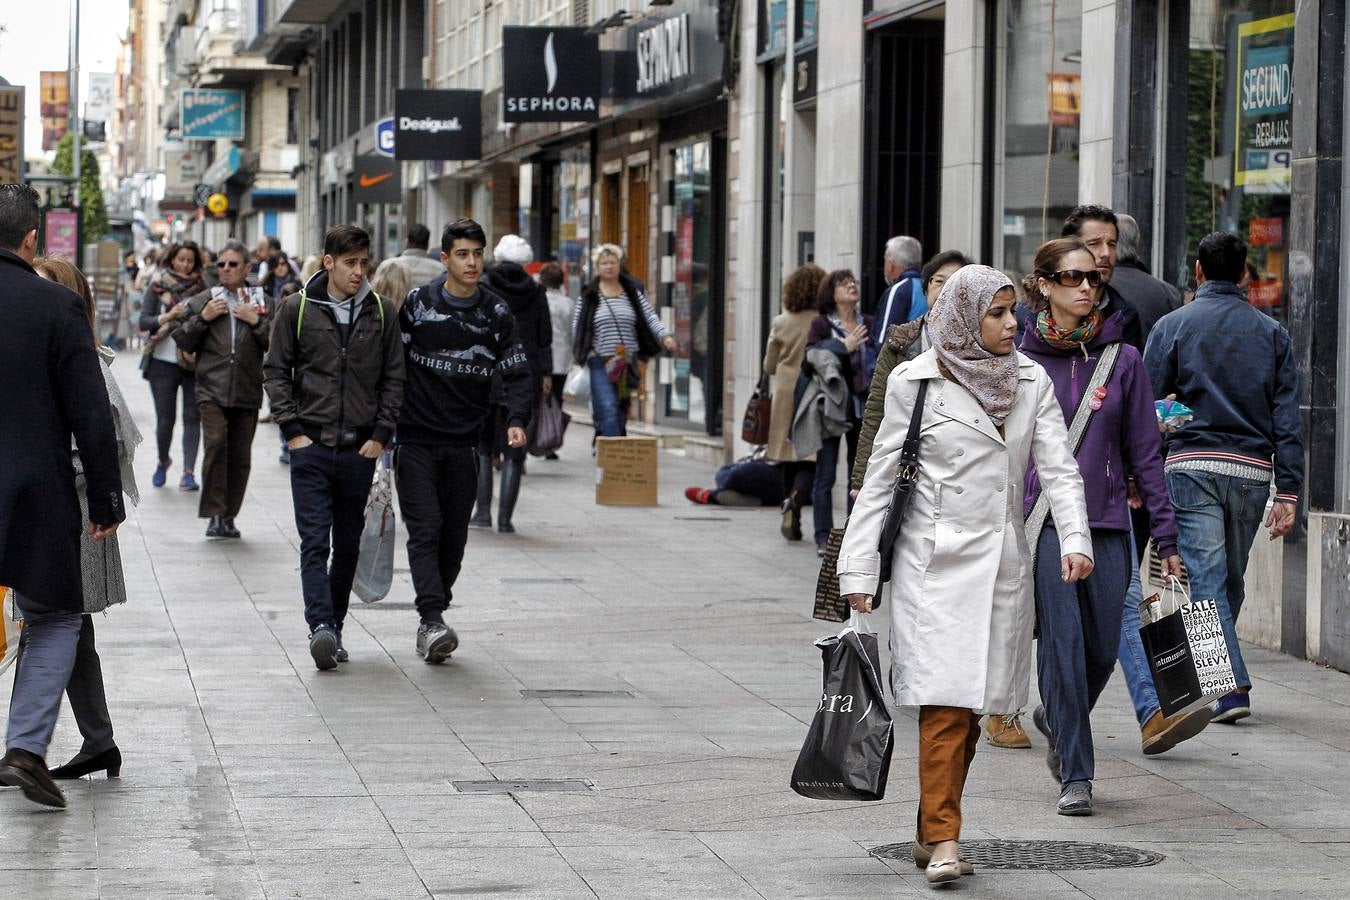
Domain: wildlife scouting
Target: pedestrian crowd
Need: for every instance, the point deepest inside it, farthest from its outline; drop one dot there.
(1044, 472)
(437, 367)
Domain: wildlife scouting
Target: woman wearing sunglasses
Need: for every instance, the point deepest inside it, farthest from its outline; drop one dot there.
(1090, 365)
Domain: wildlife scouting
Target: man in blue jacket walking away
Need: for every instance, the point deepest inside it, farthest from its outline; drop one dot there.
(1234, 367)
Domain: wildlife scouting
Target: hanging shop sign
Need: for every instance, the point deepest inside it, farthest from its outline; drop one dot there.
(55, 107)
(1066, 99)
(384, 136)
(208, 114)
(61, 234)
(1265, 104)
(183, 169)
(101, 101)
(446, 125)
(804, 77)
(11, 135)
(217, 204)
(550, 75)
(378, 179)
(224, 166)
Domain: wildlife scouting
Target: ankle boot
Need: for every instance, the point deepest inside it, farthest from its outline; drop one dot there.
(512, 470)
(482, 514)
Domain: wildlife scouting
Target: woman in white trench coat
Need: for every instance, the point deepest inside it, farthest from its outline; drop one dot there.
(961, 603)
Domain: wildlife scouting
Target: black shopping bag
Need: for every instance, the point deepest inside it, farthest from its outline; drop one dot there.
(847, 752)
(1188, 656)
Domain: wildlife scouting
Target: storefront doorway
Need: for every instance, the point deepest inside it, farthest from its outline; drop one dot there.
(902, 167)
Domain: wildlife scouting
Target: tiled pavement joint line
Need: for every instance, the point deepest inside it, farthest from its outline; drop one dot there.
(739, 686)
(699, 837)
(201, 710)
(318, 711)
(556, 849)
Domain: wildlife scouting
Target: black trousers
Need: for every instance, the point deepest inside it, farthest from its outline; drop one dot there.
(166, 379)
(228, 457)
(329, 488)
(437, 486)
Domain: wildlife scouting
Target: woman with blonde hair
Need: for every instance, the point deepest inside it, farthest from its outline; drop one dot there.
(614, 328)
(394, 284)
(960, 596)
(100, 564)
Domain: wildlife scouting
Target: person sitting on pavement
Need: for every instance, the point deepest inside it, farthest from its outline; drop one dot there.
(55, 398)
(1233, 365)
(101, 564)
(1080, 624)
(456, 336)
(961, 607)
(335, 374)
(227, 328)
(750, 481)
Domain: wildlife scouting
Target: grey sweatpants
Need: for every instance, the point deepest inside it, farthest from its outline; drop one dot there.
(50, 639)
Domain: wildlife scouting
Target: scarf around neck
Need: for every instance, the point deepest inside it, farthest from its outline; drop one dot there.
(1069, 338)
(953, 326)
(180, 286)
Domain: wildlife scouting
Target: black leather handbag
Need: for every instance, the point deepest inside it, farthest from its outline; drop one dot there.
(902, 492)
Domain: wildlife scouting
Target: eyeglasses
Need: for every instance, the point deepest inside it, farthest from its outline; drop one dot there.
(1074, 277)
(228, 264)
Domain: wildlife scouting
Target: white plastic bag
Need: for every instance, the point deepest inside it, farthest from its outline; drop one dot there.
(577, 387)
(375, 567)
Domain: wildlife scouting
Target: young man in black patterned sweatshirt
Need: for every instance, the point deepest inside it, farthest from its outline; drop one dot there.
(454, 337)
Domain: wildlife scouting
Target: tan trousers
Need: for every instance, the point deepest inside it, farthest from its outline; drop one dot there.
(947, 739)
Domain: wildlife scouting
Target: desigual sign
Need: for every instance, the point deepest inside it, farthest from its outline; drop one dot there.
(550, 75)
(438, 124)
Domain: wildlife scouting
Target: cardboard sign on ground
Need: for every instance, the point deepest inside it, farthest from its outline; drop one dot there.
(625, 471)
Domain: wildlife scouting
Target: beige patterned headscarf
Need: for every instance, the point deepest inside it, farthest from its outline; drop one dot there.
(954, 329)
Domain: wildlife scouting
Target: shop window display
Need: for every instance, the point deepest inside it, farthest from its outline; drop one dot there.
(1239, 116)
(1042, 97)
(690, 308)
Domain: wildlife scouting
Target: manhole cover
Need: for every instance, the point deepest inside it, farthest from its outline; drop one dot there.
(388, 605)
(528, 784)
(575, 695)
(1040, 855)
(702, 518)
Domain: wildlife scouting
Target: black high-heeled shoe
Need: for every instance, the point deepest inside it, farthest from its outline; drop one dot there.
(84, 764)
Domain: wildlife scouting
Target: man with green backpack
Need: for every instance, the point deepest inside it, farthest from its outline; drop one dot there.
(334, 374)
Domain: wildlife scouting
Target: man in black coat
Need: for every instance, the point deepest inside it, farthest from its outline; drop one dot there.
(51, 391)
(1152, 298)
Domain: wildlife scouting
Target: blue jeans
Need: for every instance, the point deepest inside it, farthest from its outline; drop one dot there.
(1079, 637)
(1217, 519)
(1133, 660)
(611, 414)
(50, 639)
(827, 461)
(329, 488)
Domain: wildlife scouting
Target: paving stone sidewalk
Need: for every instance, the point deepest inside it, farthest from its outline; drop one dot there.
(681, 639)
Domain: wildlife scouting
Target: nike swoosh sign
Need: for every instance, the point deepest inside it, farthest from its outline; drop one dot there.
(367, 181)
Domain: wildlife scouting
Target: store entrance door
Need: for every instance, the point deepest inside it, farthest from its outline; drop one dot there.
(902, 166)
(639, 201)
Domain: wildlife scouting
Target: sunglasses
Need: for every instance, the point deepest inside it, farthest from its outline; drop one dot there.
(228, 264)
(1074, 277)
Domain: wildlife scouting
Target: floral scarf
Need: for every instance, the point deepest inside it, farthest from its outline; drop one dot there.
(1068, 338)
(180, 287)
(954, 328)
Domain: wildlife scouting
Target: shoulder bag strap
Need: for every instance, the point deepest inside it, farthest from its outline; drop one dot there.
(1106, 364)
(906, 475)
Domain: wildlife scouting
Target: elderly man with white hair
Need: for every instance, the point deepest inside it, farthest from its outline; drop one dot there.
(904, 299)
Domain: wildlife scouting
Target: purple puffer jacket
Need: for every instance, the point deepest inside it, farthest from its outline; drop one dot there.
(1122, 440)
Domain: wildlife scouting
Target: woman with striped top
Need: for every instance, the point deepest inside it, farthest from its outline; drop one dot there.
(613, 328)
